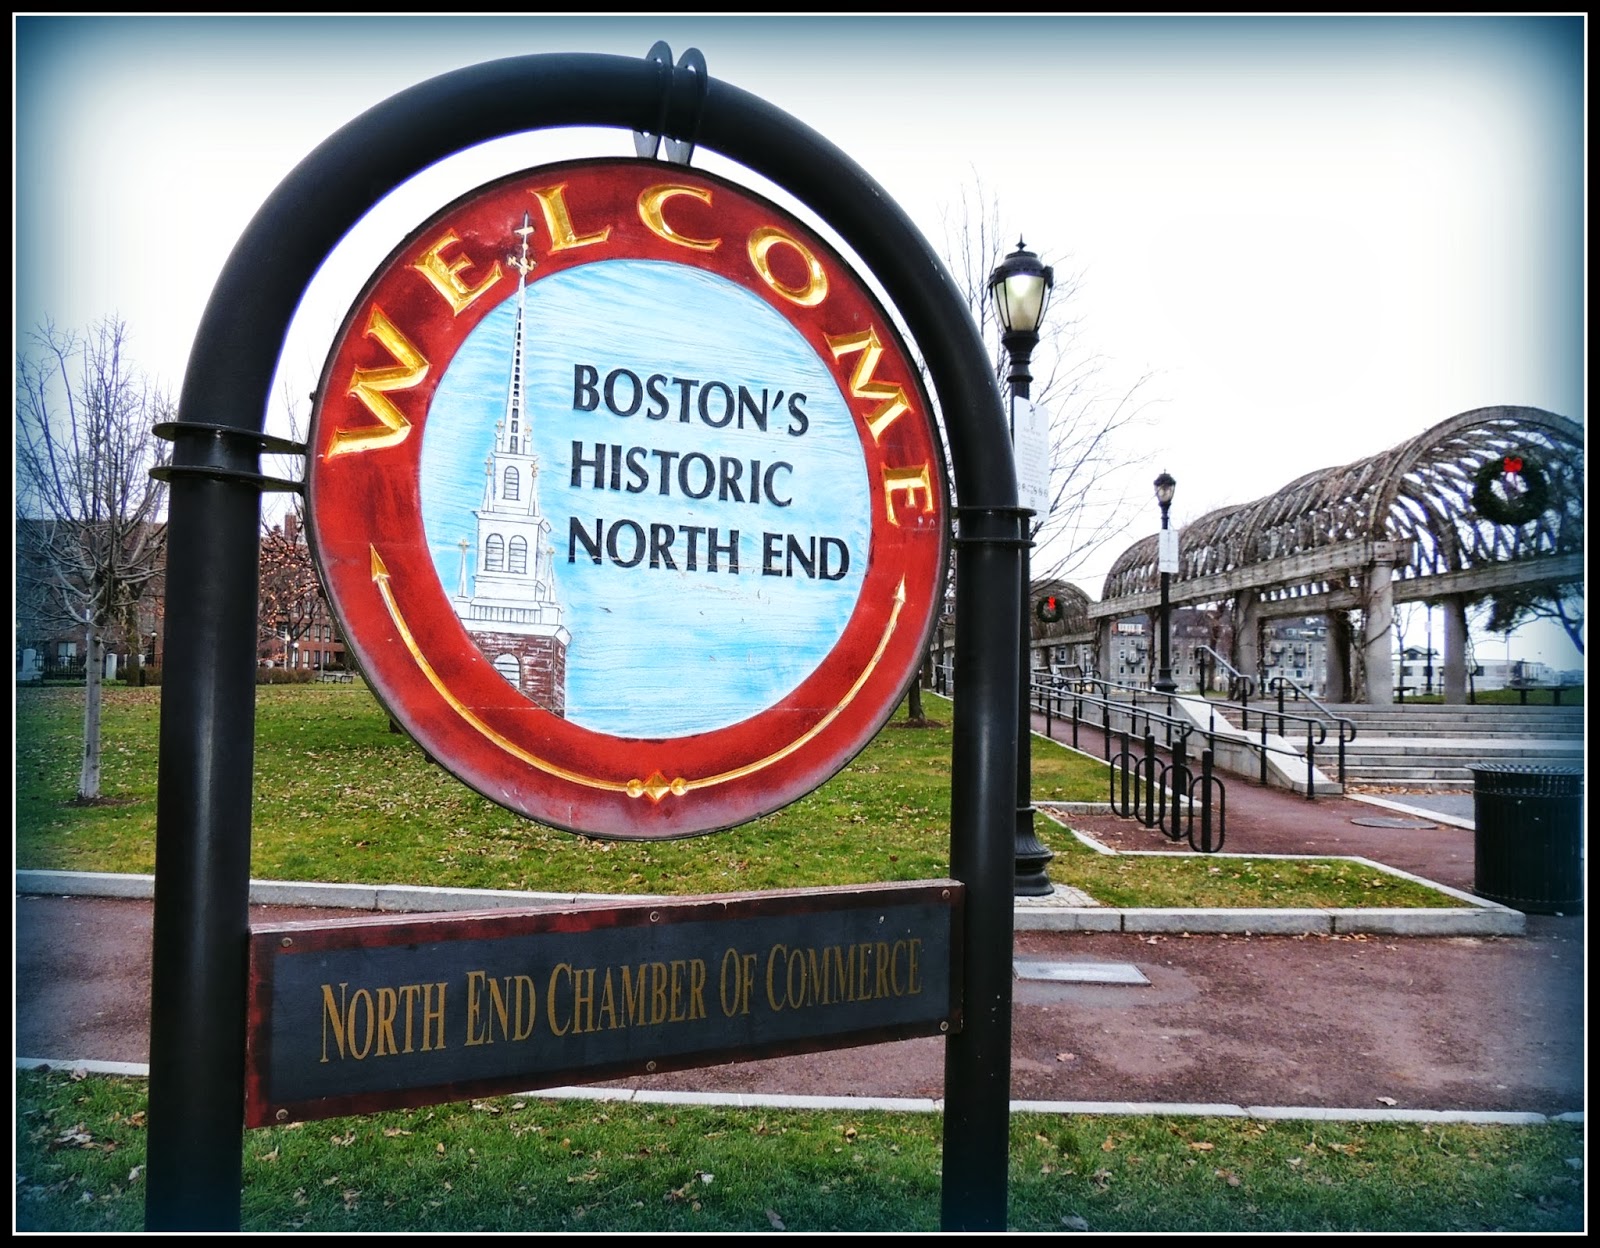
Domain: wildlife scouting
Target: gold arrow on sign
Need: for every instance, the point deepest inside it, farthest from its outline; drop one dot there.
(849, 697)
(656, 786)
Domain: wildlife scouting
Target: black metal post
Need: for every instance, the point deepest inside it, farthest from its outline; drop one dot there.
(194, 1144)
(1165, 683)
(1032, 858)
(977, 1078)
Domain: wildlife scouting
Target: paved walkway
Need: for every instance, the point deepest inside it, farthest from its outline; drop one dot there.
(1338, 1015)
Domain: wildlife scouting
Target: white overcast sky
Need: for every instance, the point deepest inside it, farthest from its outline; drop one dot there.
(1320, 235)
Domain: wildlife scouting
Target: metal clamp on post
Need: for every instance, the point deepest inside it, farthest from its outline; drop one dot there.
(212, 450)
(683, 98)
(1008, 527)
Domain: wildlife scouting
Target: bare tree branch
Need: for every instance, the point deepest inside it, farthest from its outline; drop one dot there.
(91, 530)
(1096, 490)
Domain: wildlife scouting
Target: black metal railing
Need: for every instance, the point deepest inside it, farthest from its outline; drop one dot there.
(1240, 687)
(66, 667)
(1284, 688)
(1138, 705)
(1142, 787)
(1095, 702)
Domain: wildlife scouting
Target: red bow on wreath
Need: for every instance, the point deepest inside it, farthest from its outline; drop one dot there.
(1513, 463)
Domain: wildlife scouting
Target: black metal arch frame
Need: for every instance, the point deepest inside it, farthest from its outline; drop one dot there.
(198, 986)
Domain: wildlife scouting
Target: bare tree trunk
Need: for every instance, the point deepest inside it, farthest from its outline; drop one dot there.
(914, 701)
(89, 512)
(89, 776)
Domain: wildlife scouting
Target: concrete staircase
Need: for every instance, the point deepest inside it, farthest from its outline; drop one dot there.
(1430, 746)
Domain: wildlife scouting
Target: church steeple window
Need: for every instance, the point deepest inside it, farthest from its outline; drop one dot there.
(494, 553)
(512, 489)
(518, 561)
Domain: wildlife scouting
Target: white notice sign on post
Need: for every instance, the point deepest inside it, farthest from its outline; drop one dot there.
(1167, 551)
(1030, 442)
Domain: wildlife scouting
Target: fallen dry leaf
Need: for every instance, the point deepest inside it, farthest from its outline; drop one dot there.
(1387, 1100)
(776, 1221)
(1066, 1057)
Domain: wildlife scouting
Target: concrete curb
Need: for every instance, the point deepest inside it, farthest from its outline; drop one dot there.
(1476, 917)
(1420, 812)
(927, 1105)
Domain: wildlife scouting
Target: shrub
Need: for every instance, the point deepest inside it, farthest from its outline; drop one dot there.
(284, 675)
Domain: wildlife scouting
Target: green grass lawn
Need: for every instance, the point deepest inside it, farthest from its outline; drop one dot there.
(530, 1164)
(1545, 696)
(340, 798)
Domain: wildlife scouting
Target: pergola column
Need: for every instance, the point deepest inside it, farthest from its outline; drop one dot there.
(1378, 608)
(1455, 649)
(1247, 636)
(1336, 657)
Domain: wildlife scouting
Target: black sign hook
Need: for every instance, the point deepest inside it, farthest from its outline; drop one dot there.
(647, 143)
(683, 96)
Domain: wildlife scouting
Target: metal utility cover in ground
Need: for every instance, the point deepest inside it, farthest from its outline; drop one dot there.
(1081, 972)
(1387, 821)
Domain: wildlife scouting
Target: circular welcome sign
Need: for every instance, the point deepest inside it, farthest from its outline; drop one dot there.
(628, 499)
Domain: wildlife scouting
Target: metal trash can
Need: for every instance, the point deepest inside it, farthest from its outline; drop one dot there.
(1528, 833)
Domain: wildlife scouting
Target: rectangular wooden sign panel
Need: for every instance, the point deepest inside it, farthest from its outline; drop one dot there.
(361, 1015)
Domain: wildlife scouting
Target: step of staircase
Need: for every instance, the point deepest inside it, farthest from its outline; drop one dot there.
(1461, 717)
(1411, 777)
(1532, 732)
(1435, 746)
(1454, 747)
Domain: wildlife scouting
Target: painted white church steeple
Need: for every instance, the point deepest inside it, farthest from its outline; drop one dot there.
(512, 613)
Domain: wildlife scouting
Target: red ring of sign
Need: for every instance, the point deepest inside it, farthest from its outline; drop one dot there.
(365, 516)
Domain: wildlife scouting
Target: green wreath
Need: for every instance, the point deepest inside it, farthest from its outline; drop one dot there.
(1518, 509)
(1049, 610)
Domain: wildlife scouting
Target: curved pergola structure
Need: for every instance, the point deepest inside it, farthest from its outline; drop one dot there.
(1400, 526)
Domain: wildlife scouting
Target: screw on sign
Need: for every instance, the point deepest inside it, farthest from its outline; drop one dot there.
(628, 499)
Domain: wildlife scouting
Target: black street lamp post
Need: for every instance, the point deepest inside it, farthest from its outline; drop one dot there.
(1165, 684)
(1020, 287)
